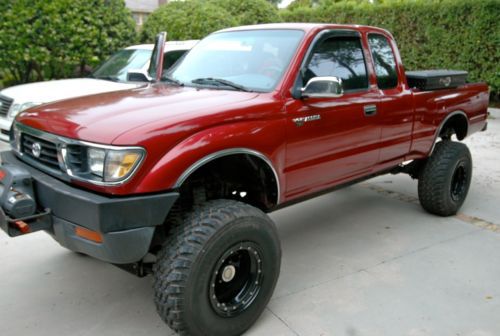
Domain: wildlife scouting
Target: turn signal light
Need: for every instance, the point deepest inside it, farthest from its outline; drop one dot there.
(88, 234)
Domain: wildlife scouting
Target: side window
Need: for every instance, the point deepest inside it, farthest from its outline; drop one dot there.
(385, 62)
(341, 57)
(170, 57)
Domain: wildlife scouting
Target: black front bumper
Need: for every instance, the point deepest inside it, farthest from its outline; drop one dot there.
(127, 224)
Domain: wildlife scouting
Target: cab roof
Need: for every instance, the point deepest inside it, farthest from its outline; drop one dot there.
(169, 45)
(306, 27)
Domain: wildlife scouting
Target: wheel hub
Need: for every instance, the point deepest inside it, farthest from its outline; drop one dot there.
(228, 273)
(236, 279)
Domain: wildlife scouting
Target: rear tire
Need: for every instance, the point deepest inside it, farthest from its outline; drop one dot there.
(445, 178)
(217, 270)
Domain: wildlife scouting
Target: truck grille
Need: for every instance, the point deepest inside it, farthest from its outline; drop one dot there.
(76, 158)
(48, 150)
(6, 103)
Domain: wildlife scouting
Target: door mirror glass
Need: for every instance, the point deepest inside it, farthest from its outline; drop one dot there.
(137, 75)
(323, 87)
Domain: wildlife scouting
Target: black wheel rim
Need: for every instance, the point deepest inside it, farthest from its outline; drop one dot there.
(459, 182)
(236, 279)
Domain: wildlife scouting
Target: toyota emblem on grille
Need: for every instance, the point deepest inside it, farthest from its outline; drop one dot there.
(36, 149)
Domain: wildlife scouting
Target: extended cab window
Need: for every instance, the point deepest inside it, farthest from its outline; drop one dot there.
(341, 57)
(385, 62)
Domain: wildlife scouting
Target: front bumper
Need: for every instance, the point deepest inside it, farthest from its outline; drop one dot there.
(126, 224)
(5, 126)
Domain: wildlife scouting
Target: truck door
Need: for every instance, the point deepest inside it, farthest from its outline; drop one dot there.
(331, 140)
(396, 102)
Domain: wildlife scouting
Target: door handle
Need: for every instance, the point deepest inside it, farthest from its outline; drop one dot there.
(370, 110)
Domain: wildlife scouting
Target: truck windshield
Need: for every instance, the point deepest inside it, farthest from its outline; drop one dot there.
(253, 60)
(119, 64)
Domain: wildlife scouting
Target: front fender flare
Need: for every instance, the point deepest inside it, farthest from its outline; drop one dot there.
(262, 139)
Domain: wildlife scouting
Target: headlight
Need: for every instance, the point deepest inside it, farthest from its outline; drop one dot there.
(95, 159)
(15, 109)
(113, 165)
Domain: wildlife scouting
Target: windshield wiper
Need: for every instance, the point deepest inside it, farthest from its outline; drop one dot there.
(220, 81)
(172, 80)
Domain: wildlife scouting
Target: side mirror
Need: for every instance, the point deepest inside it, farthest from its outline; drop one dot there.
(323, 87)
(137, 76)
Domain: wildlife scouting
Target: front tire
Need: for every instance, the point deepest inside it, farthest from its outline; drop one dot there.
(217, 270)
(445, 178)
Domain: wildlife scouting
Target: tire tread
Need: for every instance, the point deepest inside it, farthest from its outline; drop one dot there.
(185, 241)
(432, 183)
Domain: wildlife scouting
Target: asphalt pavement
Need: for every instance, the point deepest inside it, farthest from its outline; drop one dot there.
(363, 261)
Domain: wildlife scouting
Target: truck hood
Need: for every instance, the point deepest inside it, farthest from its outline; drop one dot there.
(49, 91)
(102, 118)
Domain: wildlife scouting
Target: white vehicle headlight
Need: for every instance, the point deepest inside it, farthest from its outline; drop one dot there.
(16, 138)
(15, 109)
(113, 165)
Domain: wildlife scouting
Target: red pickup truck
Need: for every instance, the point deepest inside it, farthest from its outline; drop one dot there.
(175, 179)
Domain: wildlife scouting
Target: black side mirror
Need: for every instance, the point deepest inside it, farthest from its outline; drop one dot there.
(137, 76)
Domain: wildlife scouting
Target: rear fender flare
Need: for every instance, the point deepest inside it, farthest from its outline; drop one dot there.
(441, 125)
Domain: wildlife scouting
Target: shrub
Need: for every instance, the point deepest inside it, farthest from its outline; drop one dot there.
(53, 39)
(249, 12)
(194, 19)
(453, 34)
(184, 20)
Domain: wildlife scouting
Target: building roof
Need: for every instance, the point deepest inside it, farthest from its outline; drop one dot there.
(143, 6)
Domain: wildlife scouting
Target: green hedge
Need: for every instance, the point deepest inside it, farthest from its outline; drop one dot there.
(42, 39)
(249, 12)
(194, 19)
(184, 20)
(452, 34)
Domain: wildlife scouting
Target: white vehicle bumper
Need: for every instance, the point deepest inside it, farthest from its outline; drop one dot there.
(5, 125)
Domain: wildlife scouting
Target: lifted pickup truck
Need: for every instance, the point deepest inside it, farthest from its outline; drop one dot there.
(176, 178)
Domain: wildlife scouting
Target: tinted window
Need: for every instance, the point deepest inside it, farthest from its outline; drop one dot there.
(385, 63)
(340, 57)
(169, 58)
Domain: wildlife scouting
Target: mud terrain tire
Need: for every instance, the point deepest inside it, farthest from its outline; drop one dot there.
(445, 178)
(217, 270)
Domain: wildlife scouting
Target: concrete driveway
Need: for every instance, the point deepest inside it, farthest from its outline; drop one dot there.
(362, 261)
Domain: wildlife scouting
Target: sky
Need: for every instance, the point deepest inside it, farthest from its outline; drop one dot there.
(284, 3)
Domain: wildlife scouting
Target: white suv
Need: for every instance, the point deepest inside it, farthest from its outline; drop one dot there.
(112, 75)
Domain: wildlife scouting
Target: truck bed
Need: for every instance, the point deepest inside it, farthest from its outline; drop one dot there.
(432, 107)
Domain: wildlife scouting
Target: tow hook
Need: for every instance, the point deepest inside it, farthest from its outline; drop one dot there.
(19, 212)
(23, 227)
